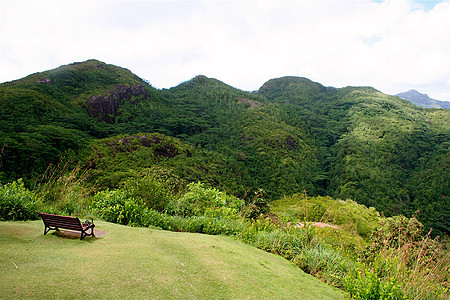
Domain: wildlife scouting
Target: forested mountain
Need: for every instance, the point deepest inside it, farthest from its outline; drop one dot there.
(423, 100)
(290, 135)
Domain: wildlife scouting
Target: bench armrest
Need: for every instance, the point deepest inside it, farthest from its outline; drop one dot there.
(88, 222)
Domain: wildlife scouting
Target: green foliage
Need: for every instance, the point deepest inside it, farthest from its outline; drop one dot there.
(400, 253)
(378, 150)
(348, 214)
(63, 189)
(302, 246)
(258, 206)
(396, 262)
(43, 117)
(17, 202)
(199, 200)
(116, 207)
(396, 232)
(380, 164)
(365, 284)
(291, 135)
(148, 191)
(270, 238)
(114, 160)
(324, 262)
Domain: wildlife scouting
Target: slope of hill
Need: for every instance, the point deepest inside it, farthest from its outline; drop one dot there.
(373, 148)
(55, 113)
(153, 264)
(291, 135)
(423, 100)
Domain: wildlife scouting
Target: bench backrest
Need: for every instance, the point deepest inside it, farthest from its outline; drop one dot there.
(61, 221)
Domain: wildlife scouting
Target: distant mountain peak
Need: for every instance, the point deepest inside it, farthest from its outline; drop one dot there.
(423, 100)
(301, 87)
(416, 93)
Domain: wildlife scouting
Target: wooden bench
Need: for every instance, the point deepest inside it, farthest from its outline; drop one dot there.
(54, 222)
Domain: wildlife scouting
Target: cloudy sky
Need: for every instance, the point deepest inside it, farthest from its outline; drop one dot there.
(392, 45)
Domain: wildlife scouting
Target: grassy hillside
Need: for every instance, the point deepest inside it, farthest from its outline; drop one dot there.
(292, 134)
(343, 243)
(145, 263)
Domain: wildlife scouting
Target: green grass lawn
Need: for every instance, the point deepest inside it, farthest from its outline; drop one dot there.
(144, 263)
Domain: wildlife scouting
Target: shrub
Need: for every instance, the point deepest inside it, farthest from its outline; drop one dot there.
(226, 226)
(400, 251)
(199, 200)
(287, 242)
(156, 219)
(17, 202)
(300, 245)
(363, 283)
(396, 232)
(116, 207)
(258, 206)
(197, 224)
(149, 191)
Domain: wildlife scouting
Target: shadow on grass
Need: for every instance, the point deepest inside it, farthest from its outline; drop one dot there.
(75, 235)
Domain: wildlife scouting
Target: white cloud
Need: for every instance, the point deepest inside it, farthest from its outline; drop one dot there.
(392, 45)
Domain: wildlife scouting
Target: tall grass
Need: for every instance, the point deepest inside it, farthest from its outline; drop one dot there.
(401, 254)
(302, 246)
(63, 189)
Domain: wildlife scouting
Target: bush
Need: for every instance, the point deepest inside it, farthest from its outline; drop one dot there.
(116, 207)
(258, 206)
(17, 202)
(396, 232)
(226, 226)
(148, 191)
(365, 284)
(400, 251)
(197, 224)
(287, 242)
(198, 201)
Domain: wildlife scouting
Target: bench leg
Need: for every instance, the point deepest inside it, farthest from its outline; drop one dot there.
(84, 233)
(48, 228)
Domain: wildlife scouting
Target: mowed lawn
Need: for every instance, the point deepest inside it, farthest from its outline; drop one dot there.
(137, 263)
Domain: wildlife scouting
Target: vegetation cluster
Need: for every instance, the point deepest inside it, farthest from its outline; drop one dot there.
(292, 134)
(267, 167)
(341, 242)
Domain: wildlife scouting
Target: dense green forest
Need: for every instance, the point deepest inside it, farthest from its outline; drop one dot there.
(290, 136)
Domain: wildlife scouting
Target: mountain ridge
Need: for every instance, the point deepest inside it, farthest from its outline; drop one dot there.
(423, 100)
(292, 134)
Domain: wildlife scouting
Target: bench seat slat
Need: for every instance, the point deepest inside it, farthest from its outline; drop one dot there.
(67, 226)
(68, 221)
(73, 227)
(71, 219)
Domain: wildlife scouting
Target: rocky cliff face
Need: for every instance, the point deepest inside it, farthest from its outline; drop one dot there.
(106, 107)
